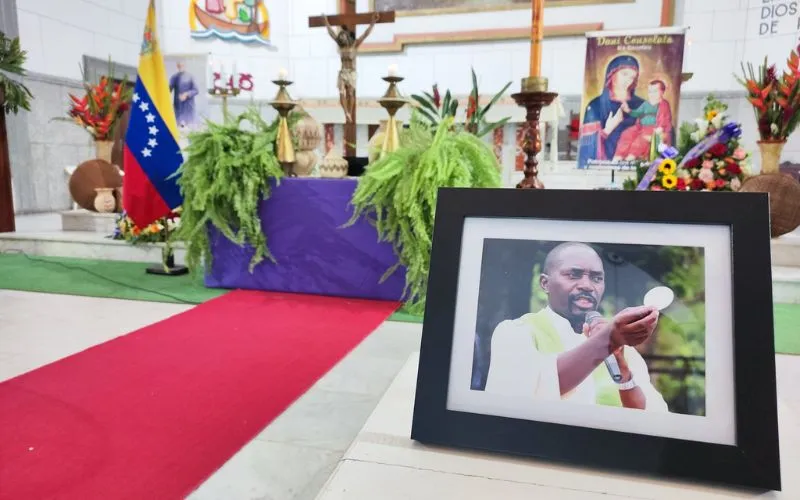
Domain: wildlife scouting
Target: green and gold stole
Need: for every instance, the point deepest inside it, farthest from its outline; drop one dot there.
(547, 340)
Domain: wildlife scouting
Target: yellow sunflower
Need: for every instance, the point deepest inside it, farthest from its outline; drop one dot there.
(667, 166)
(669, 181)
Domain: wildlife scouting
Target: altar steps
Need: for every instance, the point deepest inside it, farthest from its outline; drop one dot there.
(44, 235)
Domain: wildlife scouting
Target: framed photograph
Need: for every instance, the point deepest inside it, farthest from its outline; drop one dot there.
(187, 75)
(627, 330)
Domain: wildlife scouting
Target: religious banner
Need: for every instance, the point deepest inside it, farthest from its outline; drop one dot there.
(631, 93)
(188, 86)
(239, 20)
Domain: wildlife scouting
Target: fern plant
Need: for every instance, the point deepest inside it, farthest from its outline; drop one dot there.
(227, 173)
(398, 194)
(13, 94)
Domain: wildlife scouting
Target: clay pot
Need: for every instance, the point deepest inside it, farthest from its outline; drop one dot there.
(104, 202)
(308, 134)
(89, 176)
(305, 161)
(333, 166)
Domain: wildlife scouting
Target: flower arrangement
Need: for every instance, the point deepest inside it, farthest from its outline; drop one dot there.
(722, 167)
(157, 232)
(433, 109)
(100, 109)
(775, 100)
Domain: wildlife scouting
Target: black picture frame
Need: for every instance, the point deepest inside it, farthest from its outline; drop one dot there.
(753, 462)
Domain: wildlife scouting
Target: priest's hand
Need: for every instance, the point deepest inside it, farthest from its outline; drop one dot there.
(632, 326)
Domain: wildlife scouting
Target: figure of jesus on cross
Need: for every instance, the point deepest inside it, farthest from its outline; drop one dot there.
(348, 48)
(342, 28)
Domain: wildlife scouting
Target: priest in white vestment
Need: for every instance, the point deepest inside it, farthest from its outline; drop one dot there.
(553, 355)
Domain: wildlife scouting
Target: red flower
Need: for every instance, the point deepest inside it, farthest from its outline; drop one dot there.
(698, 185)
(437, 97)
(733, 168)
(771, 74)
(693, 163)
(472, 106)
(681, 185)
(721, 183)
(718, 149)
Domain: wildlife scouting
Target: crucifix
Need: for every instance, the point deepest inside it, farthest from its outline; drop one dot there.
(342, 28)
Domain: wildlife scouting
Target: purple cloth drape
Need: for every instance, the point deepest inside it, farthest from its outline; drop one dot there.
(302, 221)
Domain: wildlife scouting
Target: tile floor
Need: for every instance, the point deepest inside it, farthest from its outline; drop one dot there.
(292, 458)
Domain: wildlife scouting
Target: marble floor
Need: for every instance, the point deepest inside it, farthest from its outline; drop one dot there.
(383, 463)
(289, 460)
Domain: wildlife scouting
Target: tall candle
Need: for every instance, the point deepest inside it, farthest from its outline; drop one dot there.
(537, 34)
(283, 74)
(392, 70)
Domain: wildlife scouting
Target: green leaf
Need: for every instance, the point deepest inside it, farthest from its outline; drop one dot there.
(12, 60)
(474, 83)
(492, 126)
(446, 102)
(494, 100)
(425, 104)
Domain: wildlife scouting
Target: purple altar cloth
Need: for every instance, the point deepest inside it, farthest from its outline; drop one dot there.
(302, 221)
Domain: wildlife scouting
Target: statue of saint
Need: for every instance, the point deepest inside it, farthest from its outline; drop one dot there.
(348, 49)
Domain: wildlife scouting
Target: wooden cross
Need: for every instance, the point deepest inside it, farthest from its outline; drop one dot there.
(348, 48)
(6, 201)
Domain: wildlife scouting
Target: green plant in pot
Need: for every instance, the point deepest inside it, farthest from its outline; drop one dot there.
(228, 171)
(398, 193)
(434, 109)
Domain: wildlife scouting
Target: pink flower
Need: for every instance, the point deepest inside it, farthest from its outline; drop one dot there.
(739, 154)
(708, 165)
(706, 175)
(656, 187)
(736, 184)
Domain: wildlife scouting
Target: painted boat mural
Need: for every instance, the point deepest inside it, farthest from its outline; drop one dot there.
(239, 20)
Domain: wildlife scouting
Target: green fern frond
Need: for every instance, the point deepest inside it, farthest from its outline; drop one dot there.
(398, 192)
(228, 171)
(13, 94)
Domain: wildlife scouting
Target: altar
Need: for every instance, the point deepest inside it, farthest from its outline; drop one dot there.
(304, 221)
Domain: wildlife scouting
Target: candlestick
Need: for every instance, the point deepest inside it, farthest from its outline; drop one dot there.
(283, 104)
(537, 35)
(391, 101)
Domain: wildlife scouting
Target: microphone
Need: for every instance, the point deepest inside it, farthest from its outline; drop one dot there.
(611, 362)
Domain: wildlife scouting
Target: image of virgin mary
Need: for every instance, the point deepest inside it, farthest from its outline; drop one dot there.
(604, 120)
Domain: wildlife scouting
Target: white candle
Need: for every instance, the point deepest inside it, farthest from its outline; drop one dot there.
(283, 74)
(392, 70)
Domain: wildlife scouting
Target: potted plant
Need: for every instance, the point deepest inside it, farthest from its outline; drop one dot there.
(13, 96)
(776, 104)
(100, 110)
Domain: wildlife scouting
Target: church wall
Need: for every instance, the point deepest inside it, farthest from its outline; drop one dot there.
(58, 33)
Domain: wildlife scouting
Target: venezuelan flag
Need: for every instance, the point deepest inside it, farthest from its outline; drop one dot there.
(151, 154)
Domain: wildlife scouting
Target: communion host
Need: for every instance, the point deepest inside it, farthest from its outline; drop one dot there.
(554, 355)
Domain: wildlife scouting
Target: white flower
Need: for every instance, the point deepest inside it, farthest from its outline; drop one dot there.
(736, 184)
(696, 137)
(702, 126)
(717, 120)
(774, 129)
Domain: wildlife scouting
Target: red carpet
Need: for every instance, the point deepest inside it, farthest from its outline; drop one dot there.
(154, 413)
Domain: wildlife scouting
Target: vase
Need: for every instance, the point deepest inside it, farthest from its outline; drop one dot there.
(771, 156)
(308, 134)
(104, 149)
(104, 201)
(305, 161)
(333, 166)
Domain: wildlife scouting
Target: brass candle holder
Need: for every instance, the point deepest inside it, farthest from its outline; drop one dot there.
(533, 98)
(223, 93)
(284, 104)
(391, 101)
